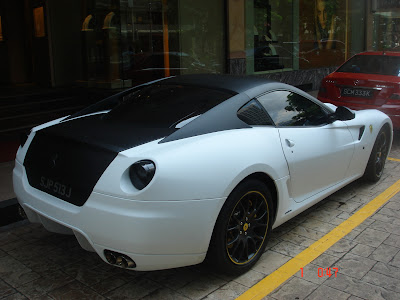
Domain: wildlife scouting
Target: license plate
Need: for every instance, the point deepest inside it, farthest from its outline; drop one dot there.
(352, 92)
(55, 187)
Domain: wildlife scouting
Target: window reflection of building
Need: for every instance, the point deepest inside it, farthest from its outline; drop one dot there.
(1, 31)
(271, 47)
(38, 19)
(325, 11)
(144, 40)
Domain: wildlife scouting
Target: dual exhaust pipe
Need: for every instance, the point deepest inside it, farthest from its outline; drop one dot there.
(118, 259)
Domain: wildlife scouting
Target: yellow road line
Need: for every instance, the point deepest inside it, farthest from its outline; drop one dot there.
(274, 280)
(395, 159)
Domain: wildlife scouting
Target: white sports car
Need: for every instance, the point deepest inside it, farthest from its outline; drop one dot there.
(168, 173)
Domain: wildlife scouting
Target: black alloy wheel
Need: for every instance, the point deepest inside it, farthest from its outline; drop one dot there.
(377, 160)
(242, 228)
(247, 227)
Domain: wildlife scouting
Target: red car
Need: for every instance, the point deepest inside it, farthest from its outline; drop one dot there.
(367, 80)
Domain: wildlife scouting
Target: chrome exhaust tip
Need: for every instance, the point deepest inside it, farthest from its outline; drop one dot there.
(118, 259)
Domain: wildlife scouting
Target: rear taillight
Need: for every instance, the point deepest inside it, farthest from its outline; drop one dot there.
(323, 89)
(394, 99)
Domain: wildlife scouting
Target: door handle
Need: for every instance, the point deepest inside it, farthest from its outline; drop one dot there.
(290, 143)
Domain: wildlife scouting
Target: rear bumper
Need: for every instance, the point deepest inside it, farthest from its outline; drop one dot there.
(393, 111)
(155, 234)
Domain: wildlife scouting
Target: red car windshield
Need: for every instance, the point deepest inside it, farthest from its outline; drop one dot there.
(372, 64)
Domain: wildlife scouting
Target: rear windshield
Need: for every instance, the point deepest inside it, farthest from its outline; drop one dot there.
(165, 106)
(372, 64)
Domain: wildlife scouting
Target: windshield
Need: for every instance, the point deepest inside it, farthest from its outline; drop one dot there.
(165, 106)
(372, 64)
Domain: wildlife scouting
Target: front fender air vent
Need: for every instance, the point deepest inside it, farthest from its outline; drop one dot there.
(360, 134)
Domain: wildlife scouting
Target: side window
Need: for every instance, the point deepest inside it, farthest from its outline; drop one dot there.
(253, 113)
(290, 109)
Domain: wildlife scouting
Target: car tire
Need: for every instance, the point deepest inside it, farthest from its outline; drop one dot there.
(377, 159)
(242, 228)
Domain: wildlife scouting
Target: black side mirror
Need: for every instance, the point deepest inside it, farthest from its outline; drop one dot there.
(343, 113)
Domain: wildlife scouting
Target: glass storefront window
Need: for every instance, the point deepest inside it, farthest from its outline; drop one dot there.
(323, 25)
(130, 42)
(387, 30)
(269, 35)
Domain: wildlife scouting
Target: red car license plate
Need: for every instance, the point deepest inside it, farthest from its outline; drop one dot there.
(352, 92)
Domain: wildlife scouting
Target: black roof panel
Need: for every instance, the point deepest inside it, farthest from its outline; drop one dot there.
(237, 84)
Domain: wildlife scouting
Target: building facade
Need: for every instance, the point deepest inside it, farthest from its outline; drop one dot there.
(120, 43)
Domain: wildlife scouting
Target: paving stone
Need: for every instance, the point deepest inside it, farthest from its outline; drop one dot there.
(288, 248)
(108, 285)
(282, 229)
(270, 261)
(2, 253)
(318, 225)
(231, 290)
(383, 281)
(250, 278)
(385, 218)
(295, 288)
(390, 212)
(325, 260)
(387, 270)
(336, 221)
(354, 265)
(384, 253)
(165, 294)
(385, 227)
(202, 287)
(328, 293)
(362, 250)
(174, 278)
(5, 289)
(16, 296)
(352, 297)
(360, 289)
(392, 205)
(392, 240)
(136, 289)
(297, 239)
(344, 216)
(75, 290)
(45, 284)
(272, 242)
(324, 215)
(371, 237)
(86, 273)
(348, 206)
(341, 248)
(307, 232)
(64, 258)
(13, 245)
(29, 251)
(14, 272)
(395, 261)
(352, 235)
(7, 237)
